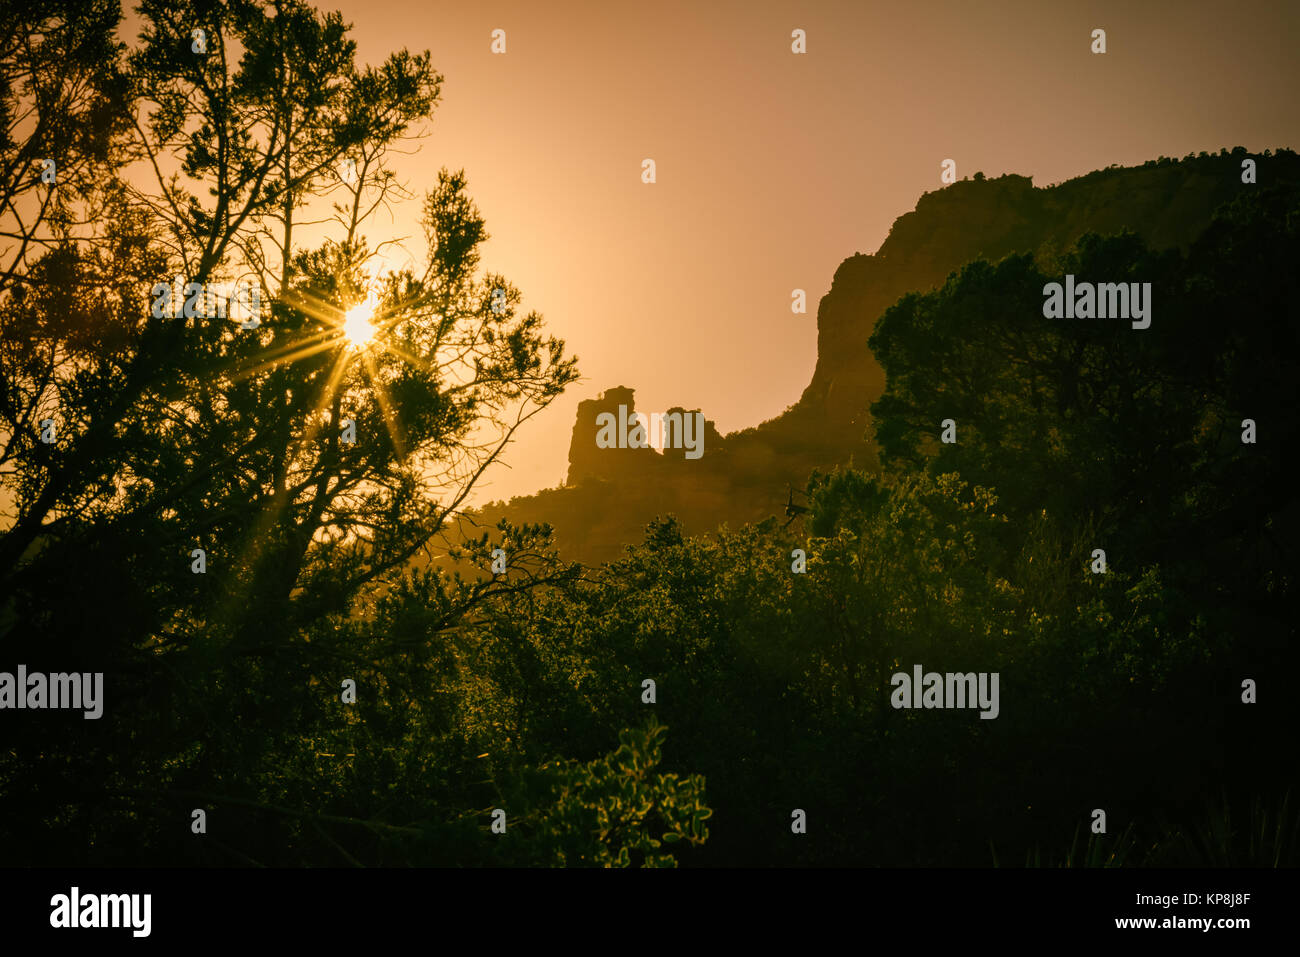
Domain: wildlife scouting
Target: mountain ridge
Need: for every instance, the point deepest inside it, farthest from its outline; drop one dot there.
(610, 494)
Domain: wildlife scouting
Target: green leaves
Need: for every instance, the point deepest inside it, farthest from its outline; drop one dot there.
(615, 811)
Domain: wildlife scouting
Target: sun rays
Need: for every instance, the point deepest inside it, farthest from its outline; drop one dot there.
(364, 336)
(358, 324)
(361, 340)
(354, 376)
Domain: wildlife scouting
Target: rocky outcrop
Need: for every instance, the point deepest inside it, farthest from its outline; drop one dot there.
(611, 493)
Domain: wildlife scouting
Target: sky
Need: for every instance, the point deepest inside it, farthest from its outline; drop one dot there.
(773, 167)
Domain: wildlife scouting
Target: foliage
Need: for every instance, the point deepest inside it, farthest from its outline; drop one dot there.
(601, 812)
(523, 691)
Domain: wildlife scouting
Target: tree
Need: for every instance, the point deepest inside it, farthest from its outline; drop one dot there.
(1136, 431)
(180, 430)
(63, 90)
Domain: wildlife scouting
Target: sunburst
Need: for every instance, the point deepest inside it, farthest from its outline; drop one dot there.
(358, 324)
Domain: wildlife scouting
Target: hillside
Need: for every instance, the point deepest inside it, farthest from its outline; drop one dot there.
(610, 494)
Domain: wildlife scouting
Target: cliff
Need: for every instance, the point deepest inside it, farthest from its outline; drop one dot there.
(611, 493)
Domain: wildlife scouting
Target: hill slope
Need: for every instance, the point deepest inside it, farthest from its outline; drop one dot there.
(610, 494)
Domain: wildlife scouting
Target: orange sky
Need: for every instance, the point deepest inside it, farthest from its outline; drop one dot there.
(772, 167)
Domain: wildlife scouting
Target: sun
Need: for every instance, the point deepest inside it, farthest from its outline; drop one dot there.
(357, 326)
